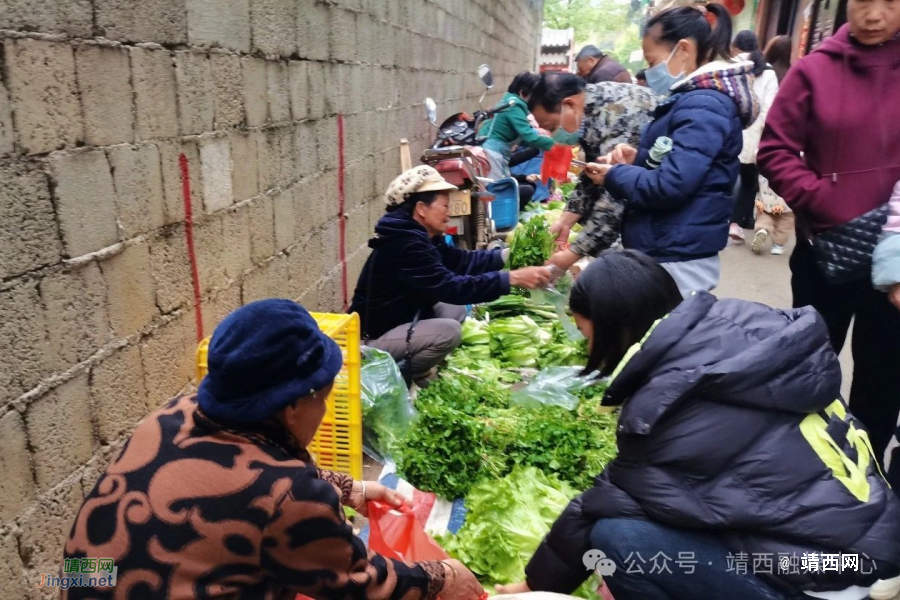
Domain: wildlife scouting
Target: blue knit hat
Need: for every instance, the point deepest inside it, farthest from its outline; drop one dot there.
(264, 357)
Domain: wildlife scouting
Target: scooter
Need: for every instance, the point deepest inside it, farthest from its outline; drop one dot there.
(456, 154)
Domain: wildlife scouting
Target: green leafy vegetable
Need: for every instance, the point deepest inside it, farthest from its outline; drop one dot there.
(532, 245)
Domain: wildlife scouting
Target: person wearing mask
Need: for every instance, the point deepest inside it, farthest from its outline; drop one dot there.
(596, 67)
(733, 441)
(513, 126)
(778, 54)
(830, 149)
(677, 185)
(216, 494)
(765, 86)
(413, 288)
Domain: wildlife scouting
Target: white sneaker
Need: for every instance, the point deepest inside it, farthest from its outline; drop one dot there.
(735, 234)
(885, 589)
(759, 241)
(777, 249)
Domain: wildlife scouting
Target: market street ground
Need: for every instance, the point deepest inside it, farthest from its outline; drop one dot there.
(766, 279)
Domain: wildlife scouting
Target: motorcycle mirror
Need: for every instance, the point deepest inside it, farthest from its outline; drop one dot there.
(486, 76)
(431, 111)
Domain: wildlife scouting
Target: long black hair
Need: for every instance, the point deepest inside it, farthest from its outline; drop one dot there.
(553, 88)
(623, 293)
(688, 22)
(746, 41)
(523, 84)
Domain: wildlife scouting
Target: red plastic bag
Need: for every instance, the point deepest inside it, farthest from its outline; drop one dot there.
(557, 161)
(397, 533)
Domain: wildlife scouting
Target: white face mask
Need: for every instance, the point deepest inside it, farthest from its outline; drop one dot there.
(659, 79)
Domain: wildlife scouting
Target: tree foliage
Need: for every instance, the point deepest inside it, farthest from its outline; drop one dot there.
(612, 25)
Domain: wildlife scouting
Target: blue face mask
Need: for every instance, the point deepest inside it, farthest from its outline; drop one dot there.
(561, 136)
(658, 77)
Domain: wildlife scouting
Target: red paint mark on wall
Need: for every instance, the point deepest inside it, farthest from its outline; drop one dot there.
(189, 238)
(342, 216)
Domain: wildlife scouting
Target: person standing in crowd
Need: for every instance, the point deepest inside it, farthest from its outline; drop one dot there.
(732, 438)
(778, 54)
(596, 67)
(641, 78)
(765, 86)
(677, 186)
(831, 149)
(513, 126)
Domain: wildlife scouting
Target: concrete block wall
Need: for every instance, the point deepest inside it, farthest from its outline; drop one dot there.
(98, 101)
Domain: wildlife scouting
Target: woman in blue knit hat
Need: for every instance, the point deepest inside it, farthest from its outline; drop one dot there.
(215, 495)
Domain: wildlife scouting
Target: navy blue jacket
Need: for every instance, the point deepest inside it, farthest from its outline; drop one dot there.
(728, 408)
(680, 210)
(410, 273)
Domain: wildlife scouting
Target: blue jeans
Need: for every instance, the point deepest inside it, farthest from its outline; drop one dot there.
(636, 545)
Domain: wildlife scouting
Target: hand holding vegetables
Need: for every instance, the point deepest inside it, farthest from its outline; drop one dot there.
(530, 277)
(459, 582)
(562, 228)
(563, 260)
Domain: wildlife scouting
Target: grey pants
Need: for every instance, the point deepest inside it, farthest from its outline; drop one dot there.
(432, 339)
(694, 275)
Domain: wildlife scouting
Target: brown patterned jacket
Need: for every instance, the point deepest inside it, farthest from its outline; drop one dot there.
(193, 509)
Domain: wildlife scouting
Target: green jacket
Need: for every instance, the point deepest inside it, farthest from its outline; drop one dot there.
(512, 124)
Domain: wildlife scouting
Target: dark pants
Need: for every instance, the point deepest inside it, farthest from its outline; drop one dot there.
(655, 562)
(745, 196)
(875, 395)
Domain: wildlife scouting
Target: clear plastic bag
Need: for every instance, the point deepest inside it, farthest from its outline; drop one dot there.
(556, 386)
(387, 410)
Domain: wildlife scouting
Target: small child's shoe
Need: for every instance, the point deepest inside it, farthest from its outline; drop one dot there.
(777, 249)
(759, 241)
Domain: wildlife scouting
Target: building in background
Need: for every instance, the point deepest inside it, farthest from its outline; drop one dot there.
(808, 22)
(557, 50)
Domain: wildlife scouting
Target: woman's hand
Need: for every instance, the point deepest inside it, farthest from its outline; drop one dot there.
(563, 227)
(597, 172)
(373, 491)
(533, 178)
(530, 277)
(513, 588)
(563, 260)
(894, 295)
(459, 582)
(623, 154)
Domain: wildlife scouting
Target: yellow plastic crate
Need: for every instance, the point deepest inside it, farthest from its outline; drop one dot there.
(338, 443)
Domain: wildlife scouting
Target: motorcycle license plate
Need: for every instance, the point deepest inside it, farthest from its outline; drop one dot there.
(460, 203)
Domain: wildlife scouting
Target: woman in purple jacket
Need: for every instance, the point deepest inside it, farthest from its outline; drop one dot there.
(831, 149)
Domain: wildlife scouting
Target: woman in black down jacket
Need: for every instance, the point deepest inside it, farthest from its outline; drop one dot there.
(737, 461)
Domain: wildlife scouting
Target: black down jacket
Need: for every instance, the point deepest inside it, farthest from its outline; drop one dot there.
(727, 409)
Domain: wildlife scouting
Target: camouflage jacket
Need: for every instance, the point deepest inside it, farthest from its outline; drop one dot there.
(614, 113)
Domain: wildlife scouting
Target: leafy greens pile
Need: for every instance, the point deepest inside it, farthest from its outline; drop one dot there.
(532, 244)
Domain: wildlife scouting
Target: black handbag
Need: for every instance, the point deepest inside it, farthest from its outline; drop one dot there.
(405, 363)
(844, 253)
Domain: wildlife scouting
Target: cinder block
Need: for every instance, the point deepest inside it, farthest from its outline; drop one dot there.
(285, 222)
(219, 23)
(262, 229)
(278, 91)
(270, 280)
(26, 354)
(229, 85)
(273, 24)
(137, 177)
(45, 528)
(28, 233)
(301, 192)
(170, 153)
(317, 91)
(155, 95)
(61, 16)
(326, 140)
(342, 34)
(160, 21)
(306, 152)
(312, 29)
(118, 396)
(167, 357)
(236, 242)
(299, 89)
(256, 91)
(104, 80)
(14, 582)
(338, 89)
(44, 94)
(244, 167)
(358, 232)
(215, 160)
(60, 431)
(7, 133)
(85, 201)
(268, 160)
(75, 312)
(99, 463)
(220, 305)
(297, 271)
(170, 267)
(325, 199)
(17, 488)
(196, 92)
(131, 296)
(210, 250)
(288, 169)
(365, 34)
